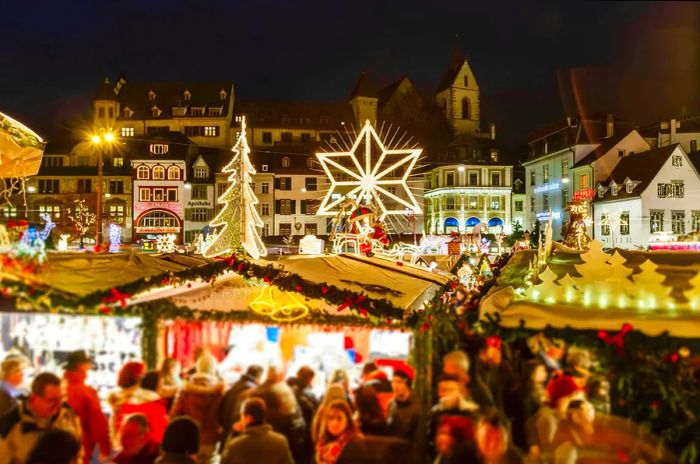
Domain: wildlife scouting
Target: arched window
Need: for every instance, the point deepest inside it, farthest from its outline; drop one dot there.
(159, 218)
(158, 173)
(142, 172)
(466, 108)
(173, 173)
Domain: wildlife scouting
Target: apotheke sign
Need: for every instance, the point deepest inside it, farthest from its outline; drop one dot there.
(199, 204)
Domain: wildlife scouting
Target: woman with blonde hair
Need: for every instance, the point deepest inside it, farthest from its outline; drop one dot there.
(339, 437)
(335, 392)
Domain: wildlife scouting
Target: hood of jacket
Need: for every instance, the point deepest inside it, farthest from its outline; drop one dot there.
(258, 430)
(203, 389)
(132, 395)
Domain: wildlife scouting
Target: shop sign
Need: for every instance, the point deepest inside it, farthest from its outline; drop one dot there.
(544, 215)
(546, 187)
(157, 230)
(584, 194)
(142, 206)
(199, 204)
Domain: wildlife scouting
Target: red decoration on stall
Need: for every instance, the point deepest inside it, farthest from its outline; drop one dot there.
(674, 358)
(399, 263)
(348, 343)
(105, 310)
(299, 288)
(324, 290)
(494, 341)
(240, 267)
(266, 279)
(618, 340)
(23, 223)
(116, 296)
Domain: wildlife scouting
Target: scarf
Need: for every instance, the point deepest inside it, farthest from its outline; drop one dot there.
(329, 452)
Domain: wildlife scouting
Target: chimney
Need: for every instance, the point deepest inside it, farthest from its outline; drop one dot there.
(672, 139)
(492, 130)
(609, 126)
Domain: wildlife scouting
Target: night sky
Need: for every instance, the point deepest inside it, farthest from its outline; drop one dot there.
(647, 55)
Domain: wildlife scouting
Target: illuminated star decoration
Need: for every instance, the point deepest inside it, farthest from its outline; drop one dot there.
(613, 221)
(366, 172)
(166, 243)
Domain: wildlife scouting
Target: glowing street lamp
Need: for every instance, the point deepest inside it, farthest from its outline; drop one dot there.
(100, 140)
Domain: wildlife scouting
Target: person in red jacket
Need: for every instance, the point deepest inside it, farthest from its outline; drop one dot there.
(84, 401)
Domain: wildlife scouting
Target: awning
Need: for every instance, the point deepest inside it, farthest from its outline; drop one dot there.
(473, 221)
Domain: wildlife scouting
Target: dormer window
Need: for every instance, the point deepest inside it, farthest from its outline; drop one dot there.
(127, 112)
(201, 172)
(158, 148)
(179, 110)
(198, 111)
(601, 191)
(222, 94)
(304, 120)
(613, 190)
(151, 95)
(155, 111)
(629, 187)
(286, 119)
(187, 95)
(285, 162)
(310, 162)
(214, 111)
(324, 120)
(494, 156)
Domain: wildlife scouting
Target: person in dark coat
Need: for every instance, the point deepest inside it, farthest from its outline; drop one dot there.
(234, 396)
(180, 442)
(404, 417)
(55, 447)
(137, 445)
(369, 414)
(258, 442)
(284, 413)
(493, 440)
(339, 440)
(376, 378)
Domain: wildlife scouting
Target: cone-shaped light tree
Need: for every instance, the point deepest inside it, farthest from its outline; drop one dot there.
(239, 218)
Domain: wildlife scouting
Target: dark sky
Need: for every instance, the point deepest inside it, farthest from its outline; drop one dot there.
(54, 54)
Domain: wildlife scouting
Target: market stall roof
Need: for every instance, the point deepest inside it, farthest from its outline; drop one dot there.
(21, 149)
(405, 287)
(673, 270)
(82, 274)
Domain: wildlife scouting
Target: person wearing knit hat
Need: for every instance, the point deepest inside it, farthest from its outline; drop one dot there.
(200, 399)
(404, 412)
(180, 442)
(561, 390)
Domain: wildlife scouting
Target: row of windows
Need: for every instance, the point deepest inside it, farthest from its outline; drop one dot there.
(286, 137)
(202, 131)
(264, 117)
(472, 179)
(157, 194)
(116, 212)
(285, 183)
(286, 229)
(472, 202)
(290, 207)
(143, 172)
(656, 222)
(545, 200)
(180, 111)
(546, 173)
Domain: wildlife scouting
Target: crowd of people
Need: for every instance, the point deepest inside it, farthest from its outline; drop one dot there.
(485, 411)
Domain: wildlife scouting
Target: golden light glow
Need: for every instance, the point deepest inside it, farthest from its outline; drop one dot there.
(95, 138)
(109, 137)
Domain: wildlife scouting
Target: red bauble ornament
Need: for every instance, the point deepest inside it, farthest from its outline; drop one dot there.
(105, 310)
(240, 267)
(189, 285)
(399, 263)
(674, 358)
(299, 288)
(324, 290)
(266, 279)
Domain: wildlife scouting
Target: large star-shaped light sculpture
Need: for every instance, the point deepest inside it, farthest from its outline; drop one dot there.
(369, 165)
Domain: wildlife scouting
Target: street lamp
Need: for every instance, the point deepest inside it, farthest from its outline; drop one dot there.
(100, 141)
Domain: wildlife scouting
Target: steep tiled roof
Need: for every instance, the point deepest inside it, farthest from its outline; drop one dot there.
(640, 168)
(363, 88)
(606, 145)
(387, 92)
(135, 96)
(295, 115)
(451, 74)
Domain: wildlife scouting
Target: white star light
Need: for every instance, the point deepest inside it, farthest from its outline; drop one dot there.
(370, 179)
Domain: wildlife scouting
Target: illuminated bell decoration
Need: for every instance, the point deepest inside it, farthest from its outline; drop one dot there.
(278, 305)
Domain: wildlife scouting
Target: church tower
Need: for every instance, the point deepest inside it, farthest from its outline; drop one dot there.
(363, 100)
(105, 108)
(458, 96)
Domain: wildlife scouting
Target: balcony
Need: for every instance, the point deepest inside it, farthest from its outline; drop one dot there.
(474, 190)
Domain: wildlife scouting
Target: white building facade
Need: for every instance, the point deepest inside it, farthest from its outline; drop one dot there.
(650, 192)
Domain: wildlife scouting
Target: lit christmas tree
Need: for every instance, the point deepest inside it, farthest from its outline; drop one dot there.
(239, 218)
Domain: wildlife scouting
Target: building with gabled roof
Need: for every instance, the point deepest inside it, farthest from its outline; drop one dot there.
(656, 191)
